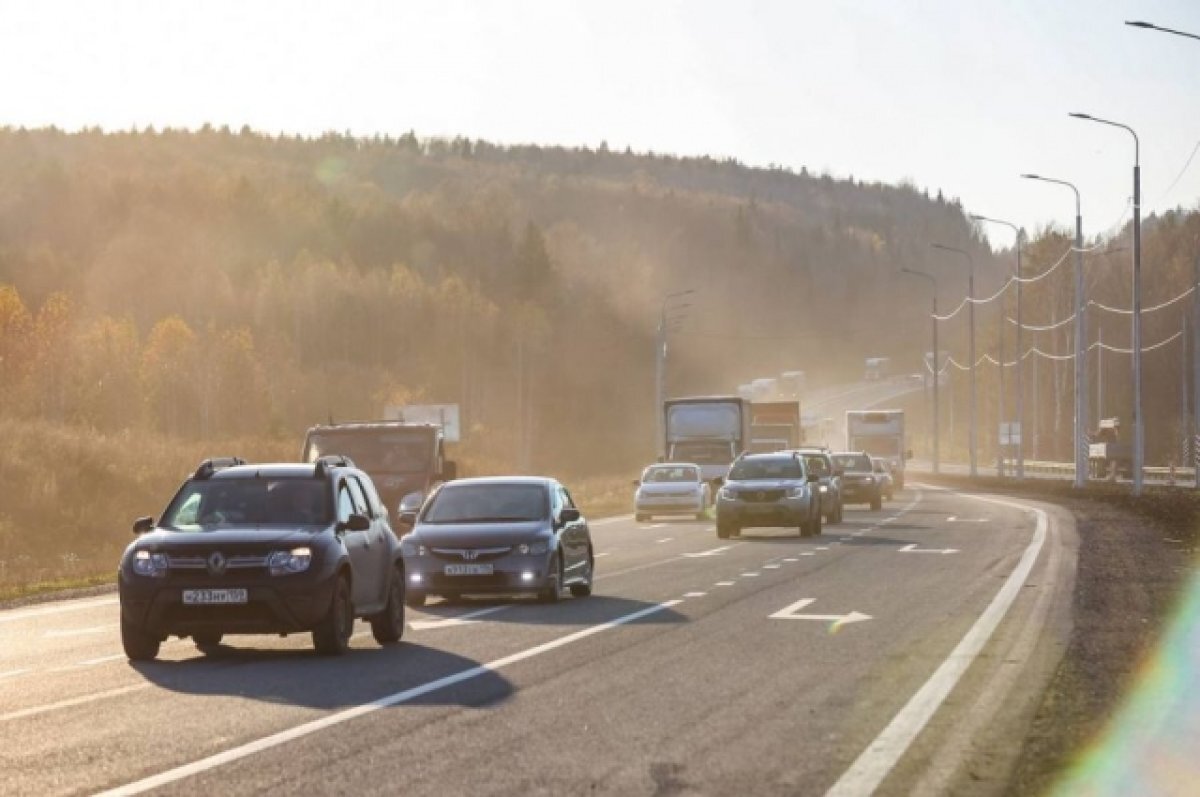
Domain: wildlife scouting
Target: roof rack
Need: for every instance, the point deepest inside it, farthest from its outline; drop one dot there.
(210, 466)
(328, 461)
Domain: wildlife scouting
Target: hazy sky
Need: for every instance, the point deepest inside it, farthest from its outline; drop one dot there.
(949, 94)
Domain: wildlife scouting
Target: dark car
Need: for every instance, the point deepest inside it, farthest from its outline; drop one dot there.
(263, 549)
(820, 462)
(500, 535)
(883, 474)
(859, 482)
(769, 490)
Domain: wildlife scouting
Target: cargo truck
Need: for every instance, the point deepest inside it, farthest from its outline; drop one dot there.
(879, 433)
(775, 425)
(710, 431)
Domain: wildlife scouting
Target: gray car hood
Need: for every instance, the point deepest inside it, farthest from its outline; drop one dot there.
(478, 535)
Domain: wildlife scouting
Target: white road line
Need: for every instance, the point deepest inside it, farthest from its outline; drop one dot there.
(870, 768)
(808, 553)
(822, 547)
(791, 559)
(656, 526)
(725, 583)
(74, 701)
(664, 539)
(462, 619)
(405, 696)
(13, 673)
(770, 567)
(710, 552)
(602, 554)
(694, 594)
(609, 520)
(88, 663)
(66, 632)
(42, 611)
(749, 575)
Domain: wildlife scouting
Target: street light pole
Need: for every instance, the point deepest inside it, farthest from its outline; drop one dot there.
(1018, 362)
(1081, 382)
(972, 428)
(1139, 425)
(660, 367)
(936, 363)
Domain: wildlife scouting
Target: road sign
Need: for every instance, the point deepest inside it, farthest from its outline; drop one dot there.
(1010, 433)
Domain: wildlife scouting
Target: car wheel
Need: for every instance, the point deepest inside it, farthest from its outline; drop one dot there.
(841, 508)
(552, 591)
(139, 645)
(585, 589)
(641, 518)
(727, 530)
(816, 525)
(414, 598)
(388, 626)
(207, 643)
(331, 637)
(876, 503)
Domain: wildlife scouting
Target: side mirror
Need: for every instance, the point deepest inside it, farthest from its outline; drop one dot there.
(569, 515)
(355, 522)
(143, 525)
(449, 471)
(407, 517)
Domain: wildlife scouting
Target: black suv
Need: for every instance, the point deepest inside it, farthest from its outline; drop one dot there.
(263, 549)
(860, 485)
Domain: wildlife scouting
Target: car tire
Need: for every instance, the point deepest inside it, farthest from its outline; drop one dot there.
(207, 643)
(815, 527)
(331, 637)
(876, 503)
(414, 598)
(641, 517)
(726, 530)
(552, 591)
(388, 626)
(138, 645)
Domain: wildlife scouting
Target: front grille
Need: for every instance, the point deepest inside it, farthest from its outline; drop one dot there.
(236, 562)
(761, 495)
(471, 554)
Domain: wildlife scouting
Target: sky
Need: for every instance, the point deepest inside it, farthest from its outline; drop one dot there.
(956, 95)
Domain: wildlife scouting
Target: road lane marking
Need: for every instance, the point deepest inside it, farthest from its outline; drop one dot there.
(72, 702)
(808, 553)
(791, 559)
(770, 567)
(88, 663)
(912, 548)
(12, 617)
(694, 594)
(664, 539)
(791, 612)
(956, 519)
(67, 632)
(710, 552)
(462, 619)
(725, 583)
(870, 768)
(749, 575)
(398, 698)
(657, 526)
(822, 547)
(610, 520)
(601, 554)
(13, 673)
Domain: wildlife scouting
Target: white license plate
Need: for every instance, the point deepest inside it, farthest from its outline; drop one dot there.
(195, 597)
(469, 570)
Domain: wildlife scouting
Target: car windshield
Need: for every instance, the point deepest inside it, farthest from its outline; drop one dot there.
(766, 468)
(817, 465)
(855, 462)
(375, 450)
(219, 503)
(483, 503)
(670, 474)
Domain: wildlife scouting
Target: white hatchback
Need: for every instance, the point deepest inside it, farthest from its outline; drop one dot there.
(671, 488)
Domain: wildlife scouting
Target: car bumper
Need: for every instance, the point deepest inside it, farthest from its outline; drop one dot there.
(669, 506)
(859, 492)
(509, 576)
(271, 608)
(789, 512)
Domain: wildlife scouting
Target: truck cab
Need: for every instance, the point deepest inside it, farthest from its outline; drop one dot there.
(406, 461)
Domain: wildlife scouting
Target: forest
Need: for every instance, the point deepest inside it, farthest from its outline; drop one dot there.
(167, 294)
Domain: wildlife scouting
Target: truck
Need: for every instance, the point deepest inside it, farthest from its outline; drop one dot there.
(879, 433)
(1108, 455)
(877, 368)
(405, 460)
(791, 384)
(775, 425)
(710, 431)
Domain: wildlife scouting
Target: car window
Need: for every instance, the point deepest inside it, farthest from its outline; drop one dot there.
(211, 504)
(373, 499)
(564, 499)
(483, 503)
(767, 468)
(345, 504)
(856, 462)
(359, 497)
(670, 474)
(818, 465)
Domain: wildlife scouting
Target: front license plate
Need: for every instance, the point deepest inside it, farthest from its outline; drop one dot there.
(469, 570)
(196, 597)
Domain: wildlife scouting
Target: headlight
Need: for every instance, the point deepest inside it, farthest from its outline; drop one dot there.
(153, 565)
(824, 488)
(282, 563)
(412, 548)
(870, 480)
(533, 548)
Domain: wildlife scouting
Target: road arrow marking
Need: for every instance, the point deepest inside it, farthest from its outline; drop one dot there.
(912, 548)
(836, 620)
(713, 552)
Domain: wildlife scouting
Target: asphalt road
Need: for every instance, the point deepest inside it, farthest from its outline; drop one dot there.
(902, 651)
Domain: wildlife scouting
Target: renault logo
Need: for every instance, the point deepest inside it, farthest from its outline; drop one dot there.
(216, 563)
(470, 555)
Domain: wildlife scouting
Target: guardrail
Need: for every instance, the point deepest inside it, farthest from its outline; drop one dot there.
(1180, 477)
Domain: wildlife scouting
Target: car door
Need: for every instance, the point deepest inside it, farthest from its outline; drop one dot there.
(574, 536)
(358, 547)
(376, 538)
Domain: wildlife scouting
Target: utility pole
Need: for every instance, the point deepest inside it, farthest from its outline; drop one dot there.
(660, 366)
(1196, 366)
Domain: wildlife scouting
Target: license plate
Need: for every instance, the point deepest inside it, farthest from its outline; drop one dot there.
(196, 597)
(469, 570)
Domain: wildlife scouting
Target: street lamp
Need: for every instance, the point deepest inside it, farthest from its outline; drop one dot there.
(972, 432)
(1152, 26)
(1080, 457)
(1139, 435)
(660, 362)
(1019, 362)
(936, 362)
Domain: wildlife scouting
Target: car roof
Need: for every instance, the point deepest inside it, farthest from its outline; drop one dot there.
(544, 481)
(271, 470)
(672, 465)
